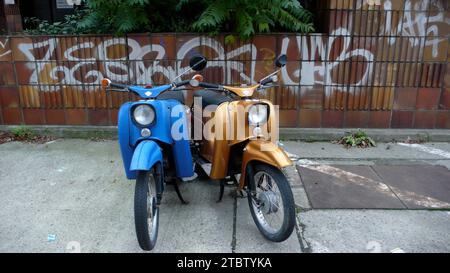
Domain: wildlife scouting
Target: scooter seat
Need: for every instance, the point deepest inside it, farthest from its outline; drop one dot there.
(176, 95)
(211, 97)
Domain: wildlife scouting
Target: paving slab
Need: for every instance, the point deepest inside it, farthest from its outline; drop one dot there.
(203, 225)
(417, 182)
(376, 230)
(250, 240)
(334, 187)
(327, 150)
(77, 191)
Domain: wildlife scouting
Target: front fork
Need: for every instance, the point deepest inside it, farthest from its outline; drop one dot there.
(249, 177)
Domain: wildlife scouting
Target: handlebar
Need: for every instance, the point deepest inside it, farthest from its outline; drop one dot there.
(178, 84)
(118, 85)
(266, 81)
(209, 85)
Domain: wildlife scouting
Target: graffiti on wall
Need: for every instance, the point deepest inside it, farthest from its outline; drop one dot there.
(342, 61)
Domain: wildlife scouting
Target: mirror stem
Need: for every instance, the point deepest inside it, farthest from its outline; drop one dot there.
(187, 70)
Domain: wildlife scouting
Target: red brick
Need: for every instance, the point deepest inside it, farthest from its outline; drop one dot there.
(405, 98)
(24, 71)
(168, 42)
(356, 119)
(34, 116)
(98, 116)
(55, 116)
(428, 98)
(114, 115)
(311, 97)
(288, 118)
(310, 118)
(76, 117)
(379, 119)
(402, 119)
(445, 99)
(12, 116)
(425, 119)
(293, 48)
(7, 76)
(9, 97)
(332, 119)
(443, 120)
(266, 47)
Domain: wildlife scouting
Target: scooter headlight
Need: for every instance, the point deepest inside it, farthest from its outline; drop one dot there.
(144, 115)
(257, 114)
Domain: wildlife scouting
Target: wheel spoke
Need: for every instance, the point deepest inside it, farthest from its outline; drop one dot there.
(266, 185)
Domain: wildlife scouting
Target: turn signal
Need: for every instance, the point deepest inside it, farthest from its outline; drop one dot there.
(198, 77)
(105, 82)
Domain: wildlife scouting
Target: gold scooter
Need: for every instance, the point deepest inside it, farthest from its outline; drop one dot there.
(237, 134)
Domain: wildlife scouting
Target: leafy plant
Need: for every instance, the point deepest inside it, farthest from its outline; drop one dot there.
(119, 16)
(70, 25)
(357, 139)
(22, 132)
(247, 17)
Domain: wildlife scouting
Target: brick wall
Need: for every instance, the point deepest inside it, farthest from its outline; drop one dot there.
(377, 64)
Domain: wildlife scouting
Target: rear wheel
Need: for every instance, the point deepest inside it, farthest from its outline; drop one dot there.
(146, 210)
(271, 203)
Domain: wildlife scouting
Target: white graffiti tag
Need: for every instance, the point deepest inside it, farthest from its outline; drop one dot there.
(314, 46)
(133, 68)
(416, 23)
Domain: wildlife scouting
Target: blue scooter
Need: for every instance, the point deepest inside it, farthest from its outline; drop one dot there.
(155, 148)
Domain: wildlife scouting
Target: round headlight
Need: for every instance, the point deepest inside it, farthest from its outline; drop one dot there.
(144, 115)
(257, 114)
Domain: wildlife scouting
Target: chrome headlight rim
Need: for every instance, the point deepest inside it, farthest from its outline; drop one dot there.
(263, 121)
(133, 117)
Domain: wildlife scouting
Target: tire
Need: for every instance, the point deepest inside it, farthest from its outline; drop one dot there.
(144, 203)
(257, 209)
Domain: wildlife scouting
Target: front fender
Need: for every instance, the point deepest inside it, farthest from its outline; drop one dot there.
(263, 151)
(146, 154)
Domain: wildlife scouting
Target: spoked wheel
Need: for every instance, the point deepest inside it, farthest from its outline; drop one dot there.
(146, 211)
(271, 203)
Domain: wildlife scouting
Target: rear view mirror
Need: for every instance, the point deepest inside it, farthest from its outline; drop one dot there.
(281, 60)
(198, 62)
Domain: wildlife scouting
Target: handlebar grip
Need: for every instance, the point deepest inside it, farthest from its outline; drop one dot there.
(208, 85)
(118, 85)
(266, 81)
(178, 84)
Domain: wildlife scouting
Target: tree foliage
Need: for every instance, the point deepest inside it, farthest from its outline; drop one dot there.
(119, 16)
(247, 17)
(244, 17)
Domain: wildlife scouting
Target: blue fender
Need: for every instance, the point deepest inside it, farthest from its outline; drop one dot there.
(146, 154)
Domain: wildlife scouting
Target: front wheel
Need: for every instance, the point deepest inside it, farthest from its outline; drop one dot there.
(146, 210)
(271, 202)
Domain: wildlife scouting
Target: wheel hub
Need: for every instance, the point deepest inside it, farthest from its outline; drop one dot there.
(268, 202)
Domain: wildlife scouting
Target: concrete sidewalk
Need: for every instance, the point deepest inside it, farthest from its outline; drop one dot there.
(77, 191)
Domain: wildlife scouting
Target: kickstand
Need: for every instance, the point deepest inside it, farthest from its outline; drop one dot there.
(222, 188)
(177, 190)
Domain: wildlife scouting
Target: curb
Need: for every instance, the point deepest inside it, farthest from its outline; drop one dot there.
(295, 134)
(379, 135)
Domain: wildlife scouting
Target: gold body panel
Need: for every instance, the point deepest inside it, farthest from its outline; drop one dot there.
(263, 151)
(243, 91)
(224, 125)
